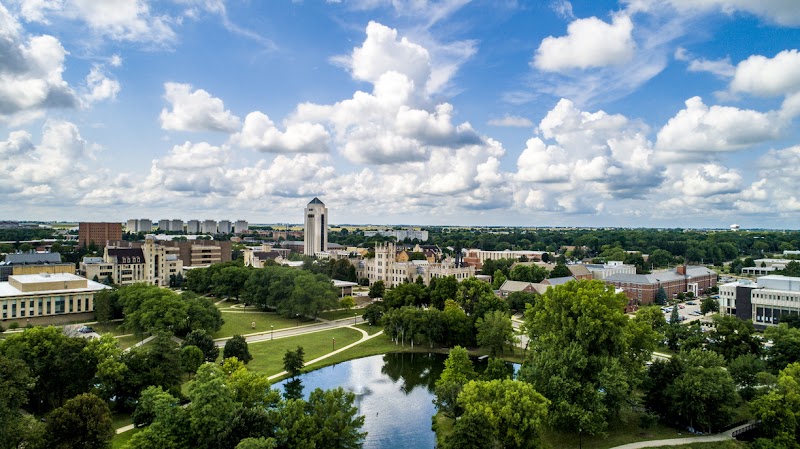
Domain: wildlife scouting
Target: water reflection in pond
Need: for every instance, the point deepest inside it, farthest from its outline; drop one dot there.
(394, 392)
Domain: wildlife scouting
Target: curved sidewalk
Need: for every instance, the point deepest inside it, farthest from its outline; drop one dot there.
(726, 435)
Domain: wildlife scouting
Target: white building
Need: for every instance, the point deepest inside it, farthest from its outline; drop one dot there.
(176, 225)
(765, 266)
(193, 227)
(315, 232)
(38, 295)
(163, 224)
(208, 227)
(400, 234)
(385, 267)
(240, 227)
(764, 301)
(224, 226)
(609, 269)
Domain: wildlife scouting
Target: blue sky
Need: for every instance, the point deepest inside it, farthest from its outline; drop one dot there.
(656, 113)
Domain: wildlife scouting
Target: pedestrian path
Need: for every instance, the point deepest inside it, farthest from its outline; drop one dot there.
(726, 435)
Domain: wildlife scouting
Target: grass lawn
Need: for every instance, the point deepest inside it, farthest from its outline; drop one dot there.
(113, 328)
(120, 440)
(341, 313)
(121, 419)
(268, 355)
(369, 329)
(128, 341)
(621, 433)
(241, 323)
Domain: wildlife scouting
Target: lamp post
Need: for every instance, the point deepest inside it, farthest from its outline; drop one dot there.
(334, 344)
(580, 438)
(271, 332)
(355, 314)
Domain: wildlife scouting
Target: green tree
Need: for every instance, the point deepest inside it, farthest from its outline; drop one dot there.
(519, 300)
(406, 295)
(257, 443)
(498, 279)
(84, 422)
(201, 313)
(745, 370)
(785, 347)
(373, 313)
(495, 332)
(661, 296)
(106, 306)
(703, 396)
(509, 414)
(335, 419)
(347, 302)
(377, 289)
(211, 407)
(732, 337)
(779, 410)
(560, 271)
(312, 294)
(458, 370)
(708, 305)
(441, 290)
(16, 429)
(191, 358)
(293, 361)
(202, 340)
(153, 401)
(237, 347)
(587, 354)
(653, 317)
(497, 369)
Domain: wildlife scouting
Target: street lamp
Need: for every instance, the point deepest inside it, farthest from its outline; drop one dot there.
(355, 314)
(334, 344)
(271, 332)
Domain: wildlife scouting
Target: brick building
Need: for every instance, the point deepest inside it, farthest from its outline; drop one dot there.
(642, 288)
(99, 233)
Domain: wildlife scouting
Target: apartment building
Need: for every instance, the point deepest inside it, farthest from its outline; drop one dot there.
(98, 233)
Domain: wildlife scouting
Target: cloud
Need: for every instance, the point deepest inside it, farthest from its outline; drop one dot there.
(99, 87)
(766, 77)
(581, 159)
(195, 110)
(704, 130)
(781, 12)
(588, 43)
(563, 9)
(260, 133)
(707, 180)
(722, 68)
(121, 20)
(192, 156)
(31, 73)
(512, 121)
(53, 165)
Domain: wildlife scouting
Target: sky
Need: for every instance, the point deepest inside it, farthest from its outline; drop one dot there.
(591, 113)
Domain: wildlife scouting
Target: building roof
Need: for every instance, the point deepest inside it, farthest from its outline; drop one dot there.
(7, 290)
(264, 255)
(558, 281)
(342, 284)
(514, 286)
(579, 270)
(133, 255)
(660, 276)
(316, 201)
(32, 258)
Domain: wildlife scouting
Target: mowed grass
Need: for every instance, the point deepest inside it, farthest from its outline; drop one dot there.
(618, 434)
(728, 444)
(268, 355)
(128, 341)
(240, 323)
(340, 313)
(120, 440)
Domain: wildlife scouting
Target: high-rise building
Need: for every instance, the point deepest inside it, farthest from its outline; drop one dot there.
(316, 227)
(98, 233)
(176, 225)
(139, 225)
(208, 227)
(240, 227)
(163, 224)
(224, 227)
(193, 226)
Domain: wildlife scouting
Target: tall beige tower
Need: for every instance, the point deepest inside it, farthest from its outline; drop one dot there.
(316, 227)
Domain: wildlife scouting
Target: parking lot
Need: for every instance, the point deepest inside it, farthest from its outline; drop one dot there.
(688, 312)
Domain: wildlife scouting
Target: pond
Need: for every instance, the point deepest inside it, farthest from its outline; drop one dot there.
(394, 392)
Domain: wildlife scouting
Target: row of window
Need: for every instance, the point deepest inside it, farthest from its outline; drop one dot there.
(37, 307)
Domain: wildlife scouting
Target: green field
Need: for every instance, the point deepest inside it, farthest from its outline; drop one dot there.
(240, 323)
(268, 355)
(122, 439)
(341, 313)
(729, 444)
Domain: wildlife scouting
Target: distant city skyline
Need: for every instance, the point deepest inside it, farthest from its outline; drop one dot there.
(585, 113)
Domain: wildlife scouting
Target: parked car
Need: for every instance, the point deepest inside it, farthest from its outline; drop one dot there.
(682, 306)
(86, 330)
(691, 303)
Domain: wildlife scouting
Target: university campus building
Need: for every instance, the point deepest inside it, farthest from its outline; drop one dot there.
(28, 298)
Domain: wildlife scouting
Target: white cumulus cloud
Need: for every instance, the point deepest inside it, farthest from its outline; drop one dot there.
(589, 43)
(195, 110)
(759, 75)
(260, 133)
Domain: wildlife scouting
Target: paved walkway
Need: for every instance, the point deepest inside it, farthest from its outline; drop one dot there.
(323, 325)
(726, 435)
(300, 330)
